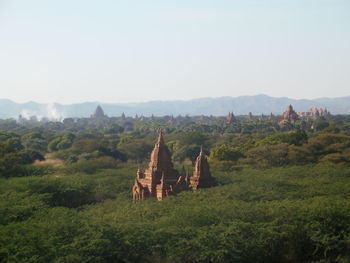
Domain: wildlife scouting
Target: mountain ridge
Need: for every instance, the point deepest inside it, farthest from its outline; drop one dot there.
(257, 104)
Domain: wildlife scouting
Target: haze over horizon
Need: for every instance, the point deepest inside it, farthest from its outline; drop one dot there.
(137, 51)
(170, 100)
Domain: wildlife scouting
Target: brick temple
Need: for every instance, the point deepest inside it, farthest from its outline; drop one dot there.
(160, 179)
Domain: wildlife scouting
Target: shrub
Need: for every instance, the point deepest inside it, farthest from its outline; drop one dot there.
(267, 156)
(37, 170)
(225, 166)
(335, 159)
(92, 165)
(225, 153)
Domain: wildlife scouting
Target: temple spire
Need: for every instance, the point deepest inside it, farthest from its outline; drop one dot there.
(162, 181)
(201, 176)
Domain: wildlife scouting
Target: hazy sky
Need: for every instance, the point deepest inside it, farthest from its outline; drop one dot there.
(126, 50)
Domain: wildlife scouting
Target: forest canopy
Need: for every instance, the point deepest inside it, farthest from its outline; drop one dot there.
(282, 195)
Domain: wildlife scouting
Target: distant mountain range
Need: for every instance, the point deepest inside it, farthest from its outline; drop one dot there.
(204, 106)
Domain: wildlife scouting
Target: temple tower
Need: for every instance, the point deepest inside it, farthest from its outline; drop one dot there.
(160, 178)
(201, 177)
(289, 115)
(99, 113)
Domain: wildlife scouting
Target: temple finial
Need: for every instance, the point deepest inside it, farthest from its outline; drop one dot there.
(201, 152)
(162, 180)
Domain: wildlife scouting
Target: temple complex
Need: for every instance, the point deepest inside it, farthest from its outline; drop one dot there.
(315, 112)
(289, 115)
(160, 179)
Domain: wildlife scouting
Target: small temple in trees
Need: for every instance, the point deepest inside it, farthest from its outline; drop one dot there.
(160, 179)
(230, 118)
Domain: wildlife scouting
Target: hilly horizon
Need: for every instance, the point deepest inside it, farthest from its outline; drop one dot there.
(220, 106)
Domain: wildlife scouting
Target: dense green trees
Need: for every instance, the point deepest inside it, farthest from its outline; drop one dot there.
(283, 193)
(34, 141)
(225, 153)
(270, 148)
(61, 143)
(292, 138)
(135, 149)
(13, 161)
(268, 156)
(296, 214)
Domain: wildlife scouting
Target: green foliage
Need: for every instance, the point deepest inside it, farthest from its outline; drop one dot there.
(187, 152)
(91, 166)
(295, 214)
(267, 156)
(189, 138)
(224, 166)
(12, 160)
(5, 136)
(225, 153)
(80, 210)
(34, 141)
(301, 155)
(320, 125)
(52, 146)
(336, 159)
(295, 138)
(66, 154)
(37, 170)
(18, 206)
(87, 145)
(136, 149)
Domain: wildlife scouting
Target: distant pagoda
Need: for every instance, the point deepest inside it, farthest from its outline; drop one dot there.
(230, 118)
(161, 179)
(99, 113)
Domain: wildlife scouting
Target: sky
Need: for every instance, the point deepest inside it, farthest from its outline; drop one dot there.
(131, 51)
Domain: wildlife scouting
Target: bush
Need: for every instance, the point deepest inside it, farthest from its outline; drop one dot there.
(292, 138)
(224, 166)
(299, 155)
(91, 166)
(335, 159)
(267, 156)
(225, 153)
(37, 170)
